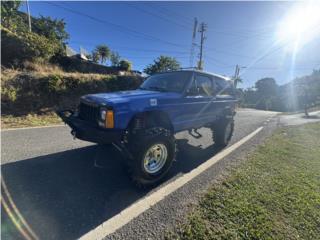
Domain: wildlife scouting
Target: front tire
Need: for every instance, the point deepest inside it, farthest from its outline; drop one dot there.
(152, 155)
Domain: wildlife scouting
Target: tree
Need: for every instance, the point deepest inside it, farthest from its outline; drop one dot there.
(95, 56)
(125, 65)
(9, 14)
(266, 87)
(161, 64)
(307, 91)
(115, 59)
(9, 8)
(250, 97)
(17, 48)
(103, 53)
(53, 29)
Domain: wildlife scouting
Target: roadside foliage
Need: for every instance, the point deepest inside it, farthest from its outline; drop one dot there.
(275, 194)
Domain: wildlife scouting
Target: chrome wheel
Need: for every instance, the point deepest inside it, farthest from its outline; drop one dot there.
(155, 158)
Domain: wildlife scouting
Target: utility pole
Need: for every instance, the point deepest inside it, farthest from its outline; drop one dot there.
(29, 17)
(237, 75)
(202, 29)
(193, 44)
(236, 72)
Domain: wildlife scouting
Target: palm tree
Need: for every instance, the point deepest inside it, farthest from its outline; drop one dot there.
(103, 53)
(95, 56)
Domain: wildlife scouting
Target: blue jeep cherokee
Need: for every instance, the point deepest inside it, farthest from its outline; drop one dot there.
(142, 123)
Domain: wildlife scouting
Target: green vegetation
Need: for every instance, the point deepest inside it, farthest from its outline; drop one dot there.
(25, 92)
(38, 77)
(30, 120)
(161, 64)
(301, 93)
(125, 65)
(275, 194)
(115, 59)
(46, 41)
(102, 53)
(25, 46)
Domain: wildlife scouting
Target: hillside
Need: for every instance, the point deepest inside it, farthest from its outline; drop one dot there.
(25, 92)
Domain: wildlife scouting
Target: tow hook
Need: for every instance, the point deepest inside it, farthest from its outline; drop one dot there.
(194, 133)
(73, 133)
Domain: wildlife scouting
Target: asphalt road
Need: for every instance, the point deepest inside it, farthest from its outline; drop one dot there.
(63, 188)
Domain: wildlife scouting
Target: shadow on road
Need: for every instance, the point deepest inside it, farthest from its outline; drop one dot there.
(64, 195)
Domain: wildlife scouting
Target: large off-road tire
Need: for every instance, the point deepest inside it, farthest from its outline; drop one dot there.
(153, 152)
(222, 132)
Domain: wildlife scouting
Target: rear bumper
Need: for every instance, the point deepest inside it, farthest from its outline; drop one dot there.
(89, 132)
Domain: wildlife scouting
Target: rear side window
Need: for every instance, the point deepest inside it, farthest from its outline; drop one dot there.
(223, 87)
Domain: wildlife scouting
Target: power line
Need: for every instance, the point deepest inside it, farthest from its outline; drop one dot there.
(147, 36)
(153, 14)
(268, 53)
(243, 34)
(227, 53)
(222, 64)
(118, 26)
(131, 49)
(152, 57)
(175, 14)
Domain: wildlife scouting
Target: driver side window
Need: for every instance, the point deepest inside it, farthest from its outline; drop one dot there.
(203, 85)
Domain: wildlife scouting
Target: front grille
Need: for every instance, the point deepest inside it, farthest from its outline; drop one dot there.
(88, 113)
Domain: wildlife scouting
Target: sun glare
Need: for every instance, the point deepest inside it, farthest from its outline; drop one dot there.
(300, 25)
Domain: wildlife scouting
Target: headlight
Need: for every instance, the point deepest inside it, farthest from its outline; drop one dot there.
(103, 114)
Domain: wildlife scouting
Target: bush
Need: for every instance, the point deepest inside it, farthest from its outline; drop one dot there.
(25, 92)
(125, 65)
(73, 64)
(26, 46)
(55, 83)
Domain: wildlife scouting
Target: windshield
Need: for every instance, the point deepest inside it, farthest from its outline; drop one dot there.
(167, 82)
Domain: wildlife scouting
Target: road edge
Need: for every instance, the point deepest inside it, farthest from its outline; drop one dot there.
(113, 224)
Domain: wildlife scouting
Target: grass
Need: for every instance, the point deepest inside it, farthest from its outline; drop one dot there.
(40, 88)
(38, 71)
(275, 194)
(30, 120)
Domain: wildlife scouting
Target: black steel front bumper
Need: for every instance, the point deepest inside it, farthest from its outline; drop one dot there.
(87, 131)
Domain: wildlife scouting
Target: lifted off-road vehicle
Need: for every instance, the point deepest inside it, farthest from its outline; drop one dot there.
(142, 123)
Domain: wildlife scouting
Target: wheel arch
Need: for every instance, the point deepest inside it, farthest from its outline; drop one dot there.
(148, 119)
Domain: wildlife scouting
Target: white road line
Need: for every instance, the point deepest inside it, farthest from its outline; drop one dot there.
(134, 210)
(26, 128)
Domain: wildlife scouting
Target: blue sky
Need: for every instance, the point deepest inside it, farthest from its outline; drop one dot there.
(237, 33)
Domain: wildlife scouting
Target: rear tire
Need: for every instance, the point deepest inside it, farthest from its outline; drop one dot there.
(153, 152)
(222, 132)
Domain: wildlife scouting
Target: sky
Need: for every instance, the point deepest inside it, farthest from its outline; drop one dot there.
(243, 33)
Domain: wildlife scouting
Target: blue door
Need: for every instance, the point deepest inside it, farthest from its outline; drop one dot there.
(196, 106)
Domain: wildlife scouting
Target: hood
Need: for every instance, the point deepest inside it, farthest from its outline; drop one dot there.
(126, 96)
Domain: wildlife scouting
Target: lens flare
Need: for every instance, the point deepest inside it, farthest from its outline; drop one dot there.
(300, 25)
